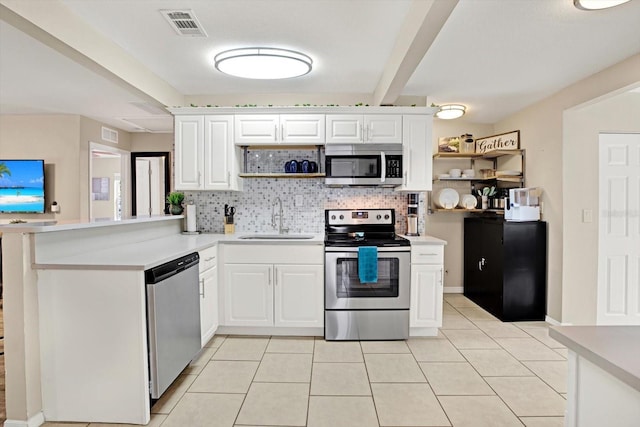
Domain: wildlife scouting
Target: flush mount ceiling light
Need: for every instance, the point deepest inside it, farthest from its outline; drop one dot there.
(451, 111)
(597, 4)
(263, 63)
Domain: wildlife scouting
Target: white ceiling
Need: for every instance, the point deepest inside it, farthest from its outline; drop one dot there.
(496, 56)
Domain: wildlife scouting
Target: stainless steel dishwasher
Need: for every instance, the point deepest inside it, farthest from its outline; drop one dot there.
(173, 320)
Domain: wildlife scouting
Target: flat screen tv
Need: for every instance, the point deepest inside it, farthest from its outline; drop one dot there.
(21, 186)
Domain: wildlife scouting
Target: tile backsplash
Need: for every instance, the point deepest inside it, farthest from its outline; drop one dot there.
(303, 205)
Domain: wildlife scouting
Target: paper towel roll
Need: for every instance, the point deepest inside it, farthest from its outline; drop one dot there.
(191, 219)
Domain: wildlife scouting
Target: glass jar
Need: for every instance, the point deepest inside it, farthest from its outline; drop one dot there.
(467, 144)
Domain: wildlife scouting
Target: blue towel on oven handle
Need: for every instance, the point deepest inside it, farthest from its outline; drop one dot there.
(368, 264)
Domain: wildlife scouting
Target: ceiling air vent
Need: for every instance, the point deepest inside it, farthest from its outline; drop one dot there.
(109, 135)
(184, 22)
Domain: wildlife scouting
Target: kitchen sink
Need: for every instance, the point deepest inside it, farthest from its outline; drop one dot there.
(276, 237)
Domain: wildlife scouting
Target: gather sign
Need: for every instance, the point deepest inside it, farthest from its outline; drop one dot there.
(503, 141)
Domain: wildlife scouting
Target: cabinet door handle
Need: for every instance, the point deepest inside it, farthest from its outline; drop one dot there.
(202, 286)
(209, 259)
(228, 177)
(361, 132)
(199, 178)
(428, 254)
(282, 132)
(367, 133)
(481, 264)
(275, 132)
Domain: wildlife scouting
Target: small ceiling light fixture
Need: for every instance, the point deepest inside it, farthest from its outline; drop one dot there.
(451, 111)
(597, 4)
(263, 63)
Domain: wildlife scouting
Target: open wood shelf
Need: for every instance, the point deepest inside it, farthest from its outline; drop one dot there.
(458, 210)
(506, 178)
(281, 175)
(488, 155)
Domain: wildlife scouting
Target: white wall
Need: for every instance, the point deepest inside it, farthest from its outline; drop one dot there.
(105, 168)
(55, 139)
(151, 142)
(582, 126)
(541, 134)
(63, 142)
(449, 226)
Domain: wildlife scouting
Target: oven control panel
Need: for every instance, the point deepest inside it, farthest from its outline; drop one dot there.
(360, 217)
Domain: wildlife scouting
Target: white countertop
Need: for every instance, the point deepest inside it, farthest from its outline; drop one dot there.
(615, 349)
(425, 240)
(52, 225)
(151, 253)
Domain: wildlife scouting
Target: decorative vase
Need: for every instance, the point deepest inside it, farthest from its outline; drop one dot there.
(175, 209)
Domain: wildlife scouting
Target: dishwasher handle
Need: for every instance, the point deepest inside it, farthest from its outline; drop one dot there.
(171, 268)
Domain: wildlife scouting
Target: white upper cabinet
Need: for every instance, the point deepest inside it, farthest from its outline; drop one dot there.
(189, 161)
(356, 128)
(302, 128)
(417, 153)
(256, 129)
(221, 160)
(205, 157)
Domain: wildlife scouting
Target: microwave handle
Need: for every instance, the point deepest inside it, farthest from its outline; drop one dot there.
(383, 169)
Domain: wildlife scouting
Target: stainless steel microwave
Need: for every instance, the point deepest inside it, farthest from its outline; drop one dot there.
(363, 165)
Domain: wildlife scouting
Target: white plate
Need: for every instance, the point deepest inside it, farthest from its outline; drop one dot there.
(444, 175)
(468, 201)
(508, 173)
(447, 198)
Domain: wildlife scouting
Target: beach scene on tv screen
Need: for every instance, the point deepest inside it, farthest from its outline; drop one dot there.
(21, 186)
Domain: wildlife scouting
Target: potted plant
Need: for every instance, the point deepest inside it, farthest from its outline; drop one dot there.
(175, 200)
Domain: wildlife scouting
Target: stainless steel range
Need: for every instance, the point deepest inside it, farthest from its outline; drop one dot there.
(366, 308)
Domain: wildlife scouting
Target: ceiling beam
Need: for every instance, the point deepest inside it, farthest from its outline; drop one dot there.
(54, 25)
(423, 23)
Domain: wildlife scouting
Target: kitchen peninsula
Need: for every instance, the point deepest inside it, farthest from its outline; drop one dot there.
(604, 374)
(75, 307)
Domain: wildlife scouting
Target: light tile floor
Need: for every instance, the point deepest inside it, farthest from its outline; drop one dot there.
(477, 372)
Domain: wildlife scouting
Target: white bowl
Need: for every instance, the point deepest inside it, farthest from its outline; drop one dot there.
(470, 173)
(455, 173)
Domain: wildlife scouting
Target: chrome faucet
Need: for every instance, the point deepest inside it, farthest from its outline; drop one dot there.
(279, 214)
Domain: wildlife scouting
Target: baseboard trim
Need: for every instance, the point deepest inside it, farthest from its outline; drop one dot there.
(35, 421)
(453, 289)
(551, 320)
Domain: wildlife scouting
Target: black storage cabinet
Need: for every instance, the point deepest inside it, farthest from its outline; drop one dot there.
(505, 267)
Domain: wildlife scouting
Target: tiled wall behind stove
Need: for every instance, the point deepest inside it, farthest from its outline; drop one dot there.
(254, 205)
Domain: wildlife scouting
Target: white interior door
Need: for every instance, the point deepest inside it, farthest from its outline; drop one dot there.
(619, 230)
(149, 185)
(143, 187)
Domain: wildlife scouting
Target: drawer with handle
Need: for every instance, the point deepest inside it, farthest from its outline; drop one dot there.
(427, 254)
(208, 258)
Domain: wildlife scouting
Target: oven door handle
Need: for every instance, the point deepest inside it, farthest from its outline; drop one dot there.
(383, 166)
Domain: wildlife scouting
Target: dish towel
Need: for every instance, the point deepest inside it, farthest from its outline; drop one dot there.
(368, 264)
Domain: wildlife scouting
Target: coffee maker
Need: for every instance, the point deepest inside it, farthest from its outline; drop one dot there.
(412, 214)
(523, 205)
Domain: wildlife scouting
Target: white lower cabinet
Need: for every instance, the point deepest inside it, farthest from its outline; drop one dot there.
(208, 294)
(427, 271)
(299, 295)
(426, 296)
(248, 295)
(274, 295)
(275, 286)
